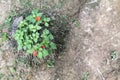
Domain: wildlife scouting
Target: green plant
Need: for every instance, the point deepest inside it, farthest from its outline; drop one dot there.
(114, 55)
(4, 37)
(25, 3)
(8, 22)
(12, 69)
(33, 35)
(77, 24)
(1, 76)
(85, 76)
(50, 63)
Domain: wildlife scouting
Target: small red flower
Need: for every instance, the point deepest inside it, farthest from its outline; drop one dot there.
(35, 53)
(37, 18)
(43, 47)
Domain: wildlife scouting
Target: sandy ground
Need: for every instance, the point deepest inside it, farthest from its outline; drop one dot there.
(89, 46)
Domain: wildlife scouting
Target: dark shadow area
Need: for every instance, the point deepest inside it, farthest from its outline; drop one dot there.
(60, 28)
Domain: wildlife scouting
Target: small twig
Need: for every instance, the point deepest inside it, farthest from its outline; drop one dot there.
(101, 75)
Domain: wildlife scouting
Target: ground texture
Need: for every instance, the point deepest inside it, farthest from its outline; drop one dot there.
(88, 48)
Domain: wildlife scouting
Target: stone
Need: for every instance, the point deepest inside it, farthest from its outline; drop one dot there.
(15, 25)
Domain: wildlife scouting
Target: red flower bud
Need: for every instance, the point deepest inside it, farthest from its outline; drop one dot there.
(35, 53)
(37, 18)
(43, 47)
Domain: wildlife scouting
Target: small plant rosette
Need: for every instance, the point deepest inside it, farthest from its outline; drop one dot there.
(33, 35)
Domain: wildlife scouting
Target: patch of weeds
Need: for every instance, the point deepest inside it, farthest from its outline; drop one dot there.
(4, 37)
(114, 55)
(59, 4)
(50, 63)
(6, 24)
(25, 3)
(12, 69)
(13, 13)
(85, 76)
(23, 60)
(77, 24)
(33, 36)
(1, 76)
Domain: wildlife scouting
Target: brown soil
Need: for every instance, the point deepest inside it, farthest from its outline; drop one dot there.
(88, 48)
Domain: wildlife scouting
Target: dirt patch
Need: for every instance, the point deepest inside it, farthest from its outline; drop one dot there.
(89, 47)
(102, 37)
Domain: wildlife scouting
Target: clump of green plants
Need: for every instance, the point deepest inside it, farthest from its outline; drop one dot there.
(114, 55)
(33, 35)
(85, 76)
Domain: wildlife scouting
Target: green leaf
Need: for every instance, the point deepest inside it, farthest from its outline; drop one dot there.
(40, 14)
(19, 47)
(33, 21)
(29, 46)
(24, 29)
(50, 63)
(29, 17)
(33, 35)
(4, 37)
(21, 24)
(8, 22)
(39, 55)
(44, 19)
(45, 53)
(24, 47)
(30, 51)
(37, 34)
(39, 27)
(50, 51)
(13, 70)
(35, 47)
(46, 40)
(86, 76)
(34, 30)
(46, 31)
(35, 11)
(53, 46)
(35, 40)
(31, 27)
(30, 41)
(40, 49)
(48, 19)
(38, 22)
(51, 37)
(46, 24)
